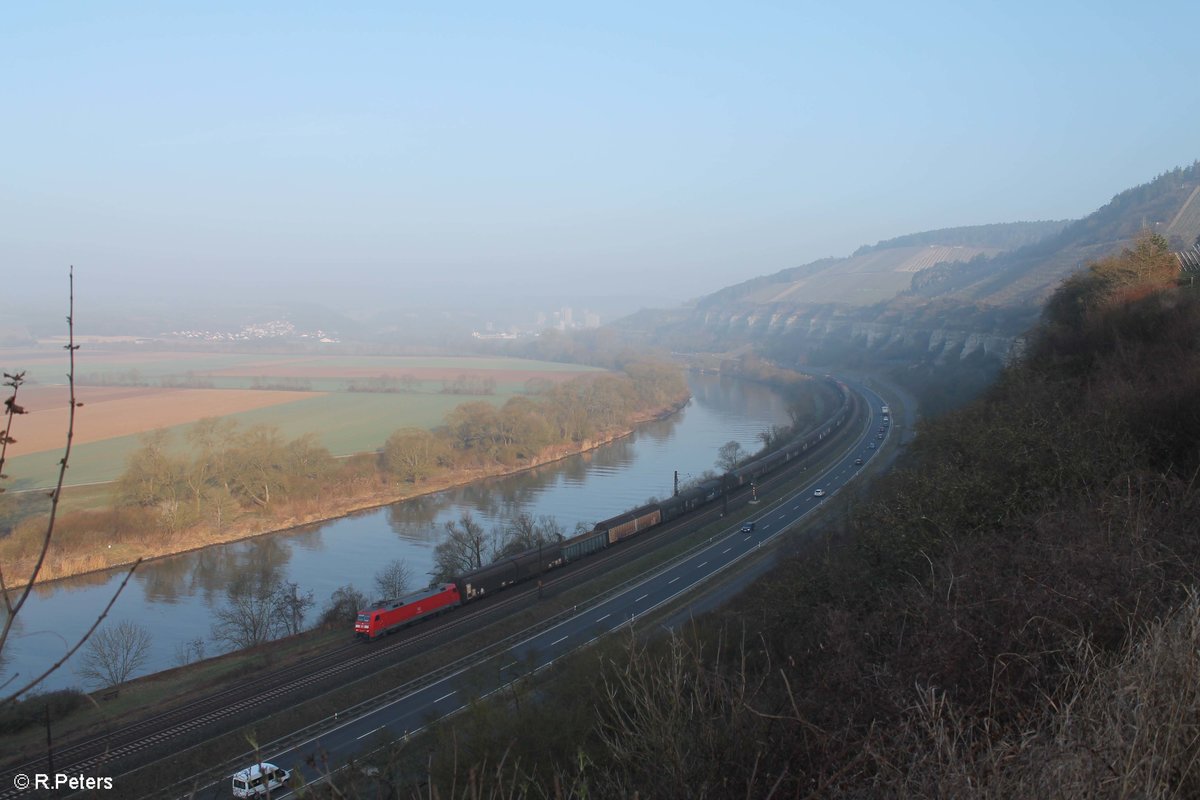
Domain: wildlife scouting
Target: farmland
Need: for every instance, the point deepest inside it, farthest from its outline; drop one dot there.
(128, 393)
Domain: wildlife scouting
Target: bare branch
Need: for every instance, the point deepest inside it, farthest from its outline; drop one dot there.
(14, 608)
(78, 644)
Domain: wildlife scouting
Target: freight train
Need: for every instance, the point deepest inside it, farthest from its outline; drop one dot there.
(388, 616)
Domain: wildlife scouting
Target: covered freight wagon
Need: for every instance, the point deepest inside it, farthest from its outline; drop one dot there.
(630, 523)
(508, 570)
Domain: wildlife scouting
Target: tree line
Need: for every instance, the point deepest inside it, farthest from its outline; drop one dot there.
(222, 472)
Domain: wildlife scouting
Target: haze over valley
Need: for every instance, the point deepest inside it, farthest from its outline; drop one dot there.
(543, 400)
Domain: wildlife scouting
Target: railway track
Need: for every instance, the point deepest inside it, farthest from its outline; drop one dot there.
(149, 737)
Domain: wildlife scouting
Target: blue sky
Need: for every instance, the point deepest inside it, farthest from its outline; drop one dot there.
(402, 152)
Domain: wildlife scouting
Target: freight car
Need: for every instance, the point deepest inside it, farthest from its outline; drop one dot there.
(509, 570)
(391, 615)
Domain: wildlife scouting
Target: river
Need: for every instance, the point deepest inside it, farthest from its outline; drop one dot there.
(174, 597)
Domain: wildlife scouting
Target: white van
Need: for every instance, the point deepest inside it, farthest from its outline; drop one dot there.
(258, 780)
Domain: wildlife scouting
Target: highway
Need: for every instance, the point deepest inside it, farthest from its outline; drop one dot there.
(411, 713)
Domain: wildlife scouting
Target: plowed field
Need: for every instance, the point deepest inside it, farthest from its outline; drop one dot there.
(111, 411)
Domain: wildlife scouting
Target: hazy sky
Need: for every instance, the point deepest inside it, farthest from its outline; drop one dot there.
(404, 149)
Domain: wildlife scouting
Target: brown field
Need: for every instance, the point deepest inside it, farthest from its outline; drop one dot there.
(121, 411)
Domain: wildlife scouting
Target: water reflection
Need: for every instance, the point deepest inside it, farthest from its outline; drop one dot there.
(175, 596)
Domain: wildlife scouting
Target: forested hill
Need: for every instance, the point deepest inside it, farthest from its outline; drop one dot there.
(933, 297)
(1012, 612)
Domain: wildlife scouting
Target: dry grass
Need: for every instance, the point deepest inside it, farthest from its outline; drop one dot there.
(1121, 725)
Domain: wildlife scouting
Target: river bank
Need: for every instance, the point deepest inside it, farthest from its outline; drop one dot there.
(61, 564)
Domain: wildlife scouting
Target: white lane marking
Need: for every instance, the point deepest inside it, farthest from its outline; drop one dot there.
(745, 538)
(677, 577)
(443, 697)
(640, 599)
(368, 733)
(558, 641)
(726, 550)
(509, 665)
(606, 616)
(701, 565)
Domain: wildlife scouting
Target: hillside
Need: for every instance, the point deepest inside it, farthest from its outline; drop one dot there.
(928, 298)
(1014, 612)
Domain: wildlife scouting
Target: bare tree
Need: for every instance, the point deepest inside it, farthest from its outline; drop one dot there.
(114, 653)
(290, 606)
(343, 606)
(260, 610)
(248, 616)
(15, 601)
(523, 532)
(189, 651)
(467, 547)
(729, 455)
(393, 580)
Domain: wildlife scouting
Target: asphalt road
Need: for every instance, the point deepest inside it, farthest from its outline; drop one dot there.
(411, 713)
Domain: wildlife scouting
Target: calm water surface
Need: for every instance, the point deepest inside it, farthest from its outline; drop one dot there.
(174, 597)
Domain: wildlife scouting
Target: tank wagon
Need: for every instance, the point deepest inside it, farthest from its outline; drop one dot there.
(391, 615)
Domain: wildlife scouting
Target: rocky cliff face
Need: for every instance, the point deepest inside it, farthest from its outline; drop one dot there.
(931, 298)
(817, 329)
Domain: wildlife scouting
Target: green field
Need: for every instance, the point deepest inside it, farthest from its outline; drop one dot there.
(345, 422)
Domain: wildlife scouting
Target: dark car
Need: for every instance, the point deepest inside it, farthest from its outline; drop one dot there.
(747, 527)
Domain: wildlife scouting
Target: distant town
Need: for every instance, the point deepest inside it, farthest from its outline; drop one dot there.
(275, 329)
(562, 320)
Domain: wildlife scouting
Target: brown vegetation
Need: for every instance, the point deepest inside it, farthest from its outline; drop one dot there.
(241, 482)
(1013, 615)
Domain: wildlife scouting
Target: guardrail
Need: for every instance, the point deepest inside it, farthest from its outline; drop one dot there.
(313, 731)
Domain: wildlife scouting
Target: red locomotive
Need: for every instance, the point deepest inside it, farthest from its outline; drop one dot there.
(391, 615)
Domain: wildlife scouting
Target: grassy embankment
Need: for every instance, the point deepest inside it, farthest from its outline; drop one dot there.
(1012, 614)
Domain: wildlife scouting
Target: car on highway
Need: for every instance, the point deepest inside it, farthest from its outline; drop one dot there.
(879, 436)
(747, 527)
(858, 460)
(260, 780)
(819, 493)
(871, 446)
